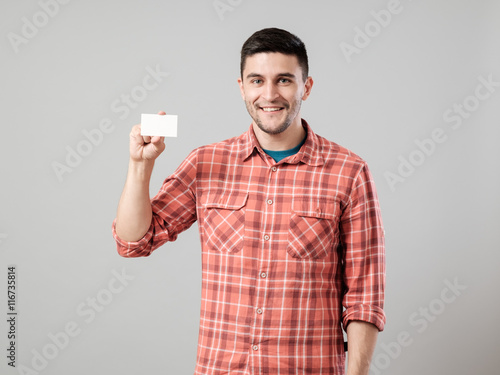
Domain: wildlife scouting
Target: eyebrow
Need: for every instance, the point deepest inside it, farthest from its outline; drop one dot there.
(254, 75)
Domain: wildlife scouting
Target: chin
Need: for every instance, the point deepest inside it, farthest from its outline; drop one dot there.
(277, 129)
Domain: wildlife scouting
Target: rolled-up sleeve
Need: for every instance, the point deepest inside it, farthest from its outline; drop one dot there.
(174, 211)
(362, 236)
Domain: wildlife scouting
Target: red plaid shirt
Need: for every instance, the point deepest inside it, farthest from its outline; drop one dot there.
(291, 252)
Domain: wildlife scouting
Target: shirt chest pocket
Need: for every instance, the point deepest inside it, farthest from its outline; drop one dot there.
(313, 230)
(224, 222)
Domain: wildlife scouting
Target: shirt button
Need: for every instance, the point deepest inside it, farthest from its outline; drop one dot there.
(274, 169)
(269, 201)
(263, 275)
(255, 347)
(259, 311)
(266, 238)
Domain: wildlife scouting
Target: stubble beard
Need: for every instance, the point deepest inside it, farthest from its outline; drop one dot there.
(253, 110)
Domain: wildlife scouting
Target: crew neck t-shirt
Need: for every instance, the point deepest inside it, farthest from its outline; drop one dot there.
(280, 155)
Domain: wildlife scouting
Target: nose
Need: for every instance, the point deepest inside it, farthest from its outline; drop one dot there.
(270, 92)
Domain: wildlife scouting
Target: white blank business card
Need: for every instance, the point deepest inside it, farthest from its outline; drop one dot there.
(161, 125)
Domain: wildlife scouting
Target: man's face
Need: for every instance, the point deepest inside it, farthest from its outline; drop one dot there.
(273, 88)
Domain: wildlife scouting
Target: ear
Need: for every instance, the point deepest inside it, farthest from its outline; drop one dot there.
(240, 83)
(307, 88)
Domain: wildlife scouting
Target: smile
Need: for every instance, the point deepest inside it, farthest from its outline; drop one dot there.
(271, 109)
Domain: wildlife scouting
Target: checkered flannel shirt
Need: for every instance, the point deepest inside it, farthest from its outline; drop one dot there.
(291, 252)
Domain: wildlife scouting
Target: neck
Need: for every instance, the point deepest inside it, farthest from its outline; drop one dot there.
(286, 140)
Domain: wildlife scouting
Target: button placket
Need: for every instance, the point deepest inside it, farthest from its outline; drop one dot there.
(268, 206)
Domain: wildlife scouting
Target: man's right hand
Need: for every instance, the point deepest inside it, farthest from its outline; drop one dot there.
(145, 148)
(133, 218)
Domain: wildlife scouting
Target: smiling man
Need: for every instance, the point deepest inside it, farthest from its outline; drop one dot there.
(273, 87)
(291, 233)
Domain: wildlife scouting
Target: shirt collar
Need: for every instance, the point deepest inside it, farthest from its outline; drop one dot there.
(309, 153)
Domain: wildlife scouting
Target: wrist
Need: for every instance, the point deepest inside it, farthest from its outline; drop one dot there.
(141, 169)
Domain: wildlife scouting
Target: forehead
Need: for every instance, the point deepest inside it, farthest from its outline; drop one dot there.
(271, 64)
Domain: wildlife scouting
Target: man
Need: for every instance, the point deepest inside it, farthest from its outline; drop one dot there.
(292, 238)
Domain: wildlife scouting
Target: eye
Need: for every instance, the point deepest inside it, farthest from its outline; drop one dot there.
(257, 81)
(284, 80)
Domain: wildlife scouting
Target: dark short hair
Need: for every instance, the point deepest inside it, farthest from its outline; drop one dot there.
(275, 40)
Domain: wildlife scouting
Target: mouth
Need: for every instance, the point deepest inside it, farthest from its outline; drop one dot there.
(271, 109)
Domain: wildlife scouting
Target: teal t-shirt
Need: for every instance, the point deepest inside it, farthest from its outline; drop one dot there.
(280, 155)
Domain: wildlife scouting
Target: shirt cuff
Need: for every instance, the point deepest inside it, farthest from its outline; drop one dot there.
(365, 313)
(132, 249)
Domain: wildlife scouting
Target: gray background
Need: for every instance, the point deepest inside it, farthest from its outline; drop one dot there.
(442, 221)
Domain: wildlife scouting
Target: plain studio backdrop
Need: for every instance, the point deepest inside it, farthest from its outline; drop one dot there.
(413, 87)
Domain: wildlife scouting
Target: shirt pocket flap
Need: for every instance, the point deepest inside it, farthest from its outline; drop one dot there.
(227, 201)
(316, 207)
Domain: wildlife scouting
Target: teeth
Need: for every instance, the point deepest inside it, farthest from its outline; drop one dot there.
(270, 109)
